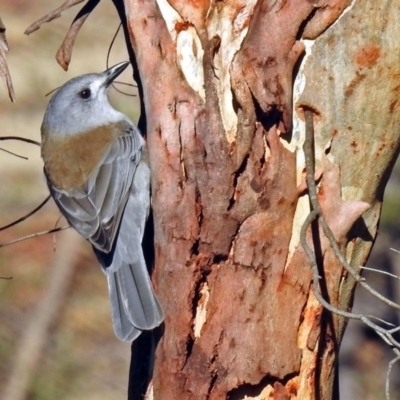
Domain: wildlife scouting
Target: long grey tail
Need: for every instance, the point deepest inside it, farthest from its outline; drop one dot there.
(134, 305)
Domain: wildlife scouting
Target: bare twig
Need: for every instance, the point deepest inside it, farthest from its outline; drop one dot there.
(13, 154)
(51, 15)
(394, 330)
(379, 271)
(112, 44)
(108, 63)
(22, 139)
(126, 84)
(381, 320)
(389, 370)
(54, 235)
(52, 91)
(27, 215)
(33, 235)
(4, 72)
(64, 53)
(309, 154)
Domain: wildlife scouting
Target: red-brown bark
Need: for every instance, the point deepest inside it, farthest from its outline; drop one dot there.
(225, 208)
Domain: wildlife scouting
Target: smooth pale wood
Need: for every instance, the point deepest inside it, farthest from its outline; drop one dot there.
(352, 82)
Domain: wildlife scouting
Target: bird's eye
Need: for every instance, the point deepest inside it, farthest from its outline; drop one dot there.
(85, 93)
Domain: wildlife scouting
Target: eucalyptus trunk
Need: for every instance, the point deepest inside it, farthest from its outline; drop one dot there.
(223, 85)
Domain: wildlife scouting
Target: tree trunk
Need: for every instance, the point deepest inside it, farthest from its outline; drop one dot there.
(229, 198)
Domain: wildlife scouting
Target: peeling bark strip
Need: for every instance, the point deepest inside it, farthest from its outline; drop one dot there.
(217, 80)
(4, 72)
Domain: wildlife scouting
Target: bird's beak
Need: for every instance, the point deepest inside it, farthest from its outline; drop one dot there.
(111, 73)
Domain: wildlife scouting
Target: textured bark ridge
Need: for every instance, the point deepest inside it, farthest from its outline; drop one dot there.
(228, 183)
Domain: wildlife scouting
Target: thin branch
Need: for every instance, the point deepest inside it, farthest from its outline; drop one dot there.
(385, 334)
(389, 370)
(314, 266)
(52, 91)
(22, 139)
(379, 271)
(27, 215)
(13, 154)
(111, 45)
(108, 63)
(126, 84)
(64, 53)
(54, 235)
(381, 320)
(4, 71)
(312, 189)
(394, 330)
(51, 15)
(33, 235)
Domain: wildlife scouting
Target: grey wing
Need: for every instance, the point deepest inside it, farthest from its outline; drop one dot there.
(95, 209)
(133, 302)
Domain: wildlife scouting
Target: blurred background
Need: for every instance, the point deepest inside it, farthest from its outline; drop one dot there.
(55, 308)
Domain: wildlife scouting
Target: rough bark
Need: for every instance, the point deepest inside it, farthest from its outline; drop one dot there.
(227, 182)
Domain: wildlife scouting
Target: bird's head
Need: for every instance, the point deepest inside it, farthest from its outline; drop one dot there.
(81, 104)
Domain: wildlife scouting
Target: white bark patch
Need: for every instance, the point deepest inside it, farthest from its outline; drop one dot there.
(188, 47)
(266, 393)
(150, 392)
(230, 23)
(296, 145)
(201, 310)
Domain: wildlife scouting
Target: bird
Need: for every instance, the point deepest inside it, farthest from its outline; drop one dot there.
(97, 172)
